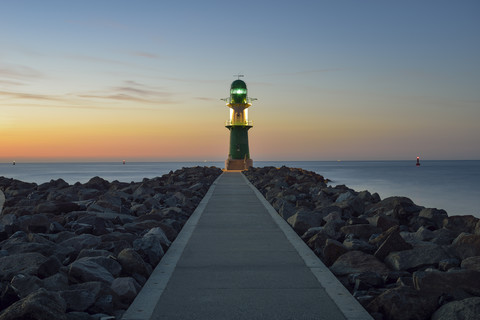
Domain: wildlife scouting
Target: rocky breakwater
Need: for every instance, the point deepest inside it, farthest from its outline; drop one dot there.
(400, 260)
(83, 251)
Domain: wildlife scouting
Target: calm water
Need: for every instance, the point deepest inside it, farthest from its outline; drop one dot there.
(449, 185)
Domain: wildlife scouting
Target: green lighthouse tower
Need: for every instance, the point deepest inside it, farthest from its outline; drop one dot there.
(238, 124)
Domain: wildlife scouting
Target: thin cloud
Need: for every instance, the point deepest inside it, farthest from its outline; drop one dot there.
(29, 96)
(19, 72)
(296, 73)
(145, 54)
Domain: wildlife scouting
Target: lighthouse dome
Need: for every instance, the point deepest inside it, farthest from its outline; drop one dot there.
(238, 91)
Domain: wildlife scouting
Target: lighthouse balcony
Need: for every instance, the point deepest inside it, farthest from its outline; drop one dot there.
(239, 123)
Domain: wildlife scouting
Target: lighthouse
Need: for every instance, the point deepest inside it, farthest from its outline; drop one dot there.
(238, 125)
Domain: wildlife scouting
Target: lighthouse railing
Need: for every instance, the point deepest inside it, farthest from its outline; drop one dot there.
(239, 123)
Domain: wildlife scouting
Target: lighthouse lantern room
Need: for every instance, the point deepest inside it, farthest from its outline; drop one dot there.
(238, 125)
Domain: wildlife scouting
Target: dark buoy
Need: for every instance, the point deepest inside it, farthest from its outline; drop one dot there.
(418, 162)
(123, 161)
(13, 162)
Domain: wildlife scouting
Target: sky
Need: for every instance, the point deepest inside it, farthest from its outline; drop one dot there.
(141, 80)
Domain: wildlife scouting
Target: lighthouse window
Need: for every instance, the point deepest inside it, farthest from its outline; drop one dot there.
(239, 91)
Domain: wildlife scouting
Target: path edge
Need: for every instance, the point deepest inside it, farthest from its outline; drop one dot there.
(143, 307)
(348, 305)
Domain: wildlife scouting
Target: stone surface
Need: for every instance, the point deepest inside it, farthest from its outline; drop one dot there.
(85, 270)
(2, 200)
(420, 256)
(126, 288)
(362, 231)
(459, 224)
(132, 263)
(332, 251)
(466, 309)
(435, 215)
(471, 263)
(357, 262)
(40, 305)
(393, 242)
(303, 220)
(448, 282)
(466, 245)
(25, 263)
(404, 303)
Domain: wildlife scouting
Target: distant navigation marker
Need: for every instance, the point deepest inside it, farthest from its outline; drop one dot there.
(123, 161)
(418, 162)
(238, 124)
(13, 162)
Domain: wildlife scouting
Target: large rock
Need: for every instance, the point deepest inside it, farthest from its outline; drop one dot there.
(466, 309)
(357, 262)
(471, 263)
(332, 251)
(304, 220)
(132, 263)
(83, 241)
(466, 245)
(126, 288)
(85, 270)
(393, 242)
(40, 305)
(109, 263)
(362, 231)
(82, 296)
(2, 200)
(421, 255)
(25, 263)
(150, 248)
(459, 224)
(404, 303)
(448, 282)
(434, 215)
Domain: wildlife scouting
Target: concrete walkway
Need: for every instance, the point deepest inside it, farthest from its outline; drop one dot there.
(237, 259)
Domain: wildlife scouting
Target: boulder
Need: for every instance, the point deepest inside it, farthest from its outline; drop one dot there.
(85, 270)
(471, 263)
(356, 244)
(447, 264)
(150, 248)
(48, 268)
(459, 224)
(332, 250)
(83, 241)
(357, 262)
(449, 282)
(40, 305)
(109, 263)
(466, 309)
(304, 220)
(365, 280)
(126, 288)
(132, 263)
(2, 201)
(23, 285)
(383, 222)
(420, 256)
(466, 245)
(393, 242)
(82, 296)
(404, 303)
(362, 231)
(24, 263)
(434, 215)
(317, 242)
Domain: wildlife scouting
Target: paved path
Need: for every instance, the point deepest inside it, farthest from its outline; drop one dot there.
(235, 259)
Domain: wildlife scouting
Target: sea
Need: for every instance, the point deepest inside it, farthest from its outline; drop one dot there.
(450, 185)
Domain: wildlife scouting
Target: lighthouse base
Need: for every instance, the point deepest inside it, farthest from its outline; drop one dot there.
(238, 164)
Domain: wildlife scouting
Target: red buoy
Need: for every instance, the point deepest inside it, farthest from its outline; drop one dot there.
(418, 162)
